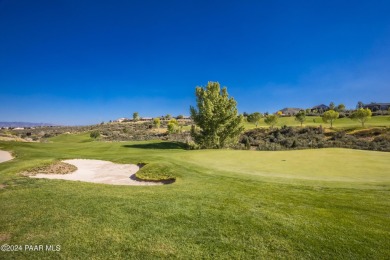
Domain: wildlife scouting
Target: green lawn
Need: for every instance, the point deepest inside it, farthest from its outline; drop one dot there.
(375, 121)
(328, 204)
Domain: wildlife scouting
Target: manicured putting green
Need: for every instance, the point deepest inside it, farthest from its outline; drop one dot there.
(330, 164)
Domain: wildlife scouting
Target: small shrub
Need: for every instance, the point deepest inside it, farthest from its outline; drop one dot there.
(161, 171)
(94, 134)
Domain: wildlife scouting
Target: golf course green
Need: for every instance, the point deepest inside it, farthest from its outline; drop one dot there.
(311, 204)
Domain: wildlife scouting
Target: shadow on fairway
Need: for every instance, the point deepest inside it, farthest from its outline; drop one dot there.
(162, 145)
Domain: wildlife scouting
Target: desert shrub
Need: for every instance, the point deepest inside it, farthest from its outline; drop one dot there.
(313, 137)
(191, 145)
(94, 134)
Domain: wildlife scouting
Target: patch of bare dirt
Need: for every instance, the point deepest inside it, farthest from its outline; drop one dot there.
(4, 236)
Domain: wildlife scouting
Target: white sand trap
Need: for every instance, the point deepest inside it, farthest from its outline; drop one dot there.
(98, 171)
(5, 156)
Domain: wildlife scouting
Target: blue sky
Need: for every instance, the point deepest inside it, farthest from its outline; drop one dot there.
(81, 62)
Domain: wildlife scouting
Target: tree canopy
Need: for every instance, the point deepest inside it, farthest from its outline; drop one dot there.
(254, 118)
(340, 107)
(271, 120)
(173, 126)
(330, 116)
(361, 115)
(156, 122)
(135, 116)
(216, 117)
(300, 117)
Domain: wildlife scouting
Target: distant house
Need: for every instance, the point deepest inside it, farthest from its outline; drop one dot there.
(290, 111)
(377, 106)
(145, 119)
(320, 108)
(120, 120)
(184, 118)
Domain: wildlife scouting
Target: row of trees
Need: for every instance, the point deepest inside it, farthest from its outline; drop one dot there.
(362, 115)
(136, 117)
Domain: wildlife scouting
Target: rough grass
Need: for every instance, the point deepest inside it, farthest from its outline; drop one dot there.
(316, 204)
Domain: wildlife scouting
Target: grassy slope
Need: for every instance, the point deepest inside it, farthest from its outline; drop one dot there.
(224, 203)
(317, 121)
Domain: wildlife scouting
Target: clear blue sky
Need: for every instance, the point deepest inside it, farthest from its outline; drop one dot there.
(80, 62)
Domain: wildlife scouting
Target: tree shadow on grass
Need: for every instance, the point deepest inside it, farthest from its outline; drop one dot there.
(135, 178)
(162, 145)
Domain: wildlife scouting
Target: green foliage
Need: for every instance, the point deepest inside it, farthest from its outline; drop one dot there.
(135, 116)
(362, 115)
(286, 138)
(94, 134)
(341, 108)
(254, 118)
(330, 116)
(300, 117)
(157, 122)
(271, 120)
(159, 171)
(217, 117)
(173, 126)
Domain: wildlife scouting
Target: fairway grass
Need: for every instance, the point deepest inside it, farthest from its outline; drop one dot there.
(327, 203)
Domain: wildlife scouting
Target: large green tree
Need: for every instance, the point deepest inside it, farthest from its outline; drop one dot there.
(216, 117)
(361, 115)
(330, 116)
(254, 118)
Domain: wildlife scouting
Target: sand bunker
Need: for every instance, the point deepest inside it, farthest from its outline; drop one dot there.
(98, 171)
(5, 156)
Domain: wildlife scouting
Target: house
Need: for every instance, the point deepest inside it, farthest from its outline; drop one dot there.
(290, 111)
(146, 119)
(377, 106)
(320, 108)
(120, 120)
(184, 118)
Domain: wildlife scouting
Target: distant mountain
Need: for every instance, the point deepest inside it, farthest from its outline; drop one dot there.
(23, 124)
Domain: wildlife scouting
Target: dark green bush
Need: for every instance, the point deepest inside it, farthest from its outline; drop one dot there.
(94, 134)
